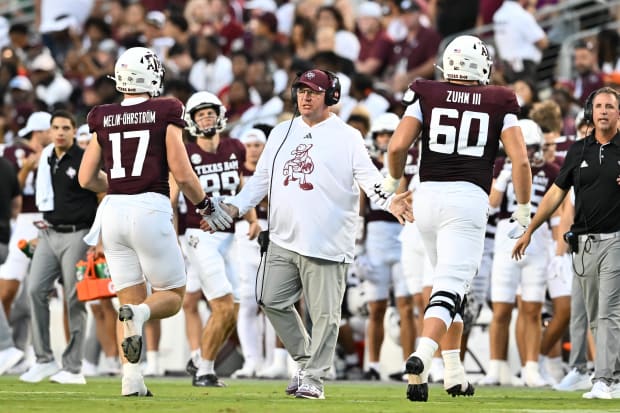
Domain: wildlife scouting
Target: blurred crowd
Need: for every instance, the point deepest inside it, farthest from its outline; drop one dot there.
(247, 53)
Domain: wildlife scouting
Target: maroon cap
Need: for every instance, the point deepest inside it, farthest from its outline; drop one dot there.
(315, 79)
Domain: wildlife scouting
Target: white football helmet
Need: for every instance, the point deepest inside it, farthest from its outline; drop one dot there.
(138, 70)
(203, 100)
(533, 137)
(467, 58)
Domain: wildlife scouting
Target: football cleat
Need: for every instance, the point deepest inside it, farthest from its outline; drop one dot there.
(208, 380)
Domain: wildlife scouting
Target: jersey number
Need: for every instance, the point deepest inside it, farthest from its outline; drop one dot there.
(118, 171)
(457, 140)
(215, 182)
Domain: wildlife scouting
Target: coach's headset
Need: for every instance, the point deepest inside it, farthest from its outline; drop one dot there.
(332, 93)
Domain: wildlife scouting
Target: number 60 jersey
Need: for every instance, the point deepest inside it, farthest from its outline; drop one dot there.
(461, 129)
(133, 143)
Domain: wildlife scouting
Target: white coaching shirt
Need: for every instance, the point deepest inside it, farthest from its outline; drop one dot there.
(315, 183)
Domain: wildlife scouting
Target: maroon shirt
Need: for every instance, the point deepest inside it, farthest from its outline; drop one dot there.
(416, 51)
(462, 125)
(562, 144)
(133, 142)
(380, 47)
(219, 173)
(15, 154)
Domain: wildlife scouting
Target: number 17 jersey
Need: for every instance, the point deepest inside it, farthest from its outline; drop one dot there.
(133, 143)
(461, 129)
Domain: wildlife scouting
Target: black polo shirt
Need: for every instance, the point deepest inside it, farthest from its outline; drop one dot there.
(73, 205)
(9, 189)
(592, 169)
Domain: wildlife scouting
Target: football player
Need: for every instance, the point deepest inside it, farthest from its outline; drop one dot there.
(462, 121)
(217, 163)
(385, 274)
(138, 142)
(530, 274)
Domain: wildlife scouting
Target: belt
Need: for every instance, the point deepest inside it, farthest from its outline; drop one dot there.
(63, 228)
(599, 237)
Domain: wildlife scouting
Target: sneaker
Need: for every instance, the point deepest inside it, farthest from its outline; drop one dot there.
(371, 374)
(295, 382)
(574, 380)
(615, 391)
(207, 380)
(20, 368)
(66, 377)
(89, 369)
(274, 371)
(398, 376)
(132, 331)
(9, 358)
(600, 390)
(190, 367)
(109, 366)
(530, 374)
(39, 371)
(134, 386)
(246, 372)
(310, 391)
(488, 380)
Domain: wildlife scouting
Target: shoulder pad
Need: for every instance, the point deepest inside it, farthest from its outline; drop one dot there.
(409, 97)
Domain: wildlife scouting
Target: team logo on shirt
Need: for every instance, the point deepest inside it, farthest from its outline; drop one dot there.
(195, 158)
(299, 167)
(71, 172)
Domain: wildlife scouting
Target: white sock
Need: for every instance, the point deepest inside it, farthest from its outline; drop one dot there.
(352, 359)
(425, 350)
(205, 367)
(131, 370)
(373, 365)
(152, 357)
(451, 359)
(145, 311)
(494, 368)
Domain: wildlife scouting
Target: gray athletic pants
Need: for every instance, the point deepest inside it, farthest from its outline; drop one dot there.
(578, 358)
(601, 290)
(56, 255)
(288, 275)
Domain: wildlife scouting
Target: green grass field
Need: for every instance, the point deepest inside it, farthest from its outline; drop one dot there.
(177, 395)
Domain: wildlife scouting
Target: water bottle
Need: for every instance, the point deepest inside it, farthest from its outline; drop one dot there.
(101, 268)
(26, 247)
(80, 269)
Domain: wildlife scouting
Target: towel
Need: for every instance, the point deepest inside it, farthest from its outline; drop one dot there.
(44, 191)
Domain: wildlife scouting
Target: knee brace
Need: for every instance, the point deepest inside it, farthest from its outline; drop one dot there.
(448, 300)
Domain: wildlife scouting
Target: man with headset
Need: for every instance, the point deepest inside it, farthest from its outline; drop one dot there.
(311, 169)
(592, 168)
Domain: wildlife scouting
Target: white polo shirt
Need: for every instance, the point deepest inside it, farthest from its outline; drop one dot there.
(516, 32)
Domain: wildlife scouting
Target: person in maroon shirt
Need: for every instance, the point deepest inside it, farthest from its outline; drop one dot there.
(139, 142)
(375, 44)
(414, 56)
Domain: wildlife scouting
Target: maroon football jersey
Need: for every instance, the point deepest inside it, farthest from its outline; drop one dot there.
(261, 208)
(133, 142)
(542, 179)
(15, 154)
(461, 130)
(219, 173)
